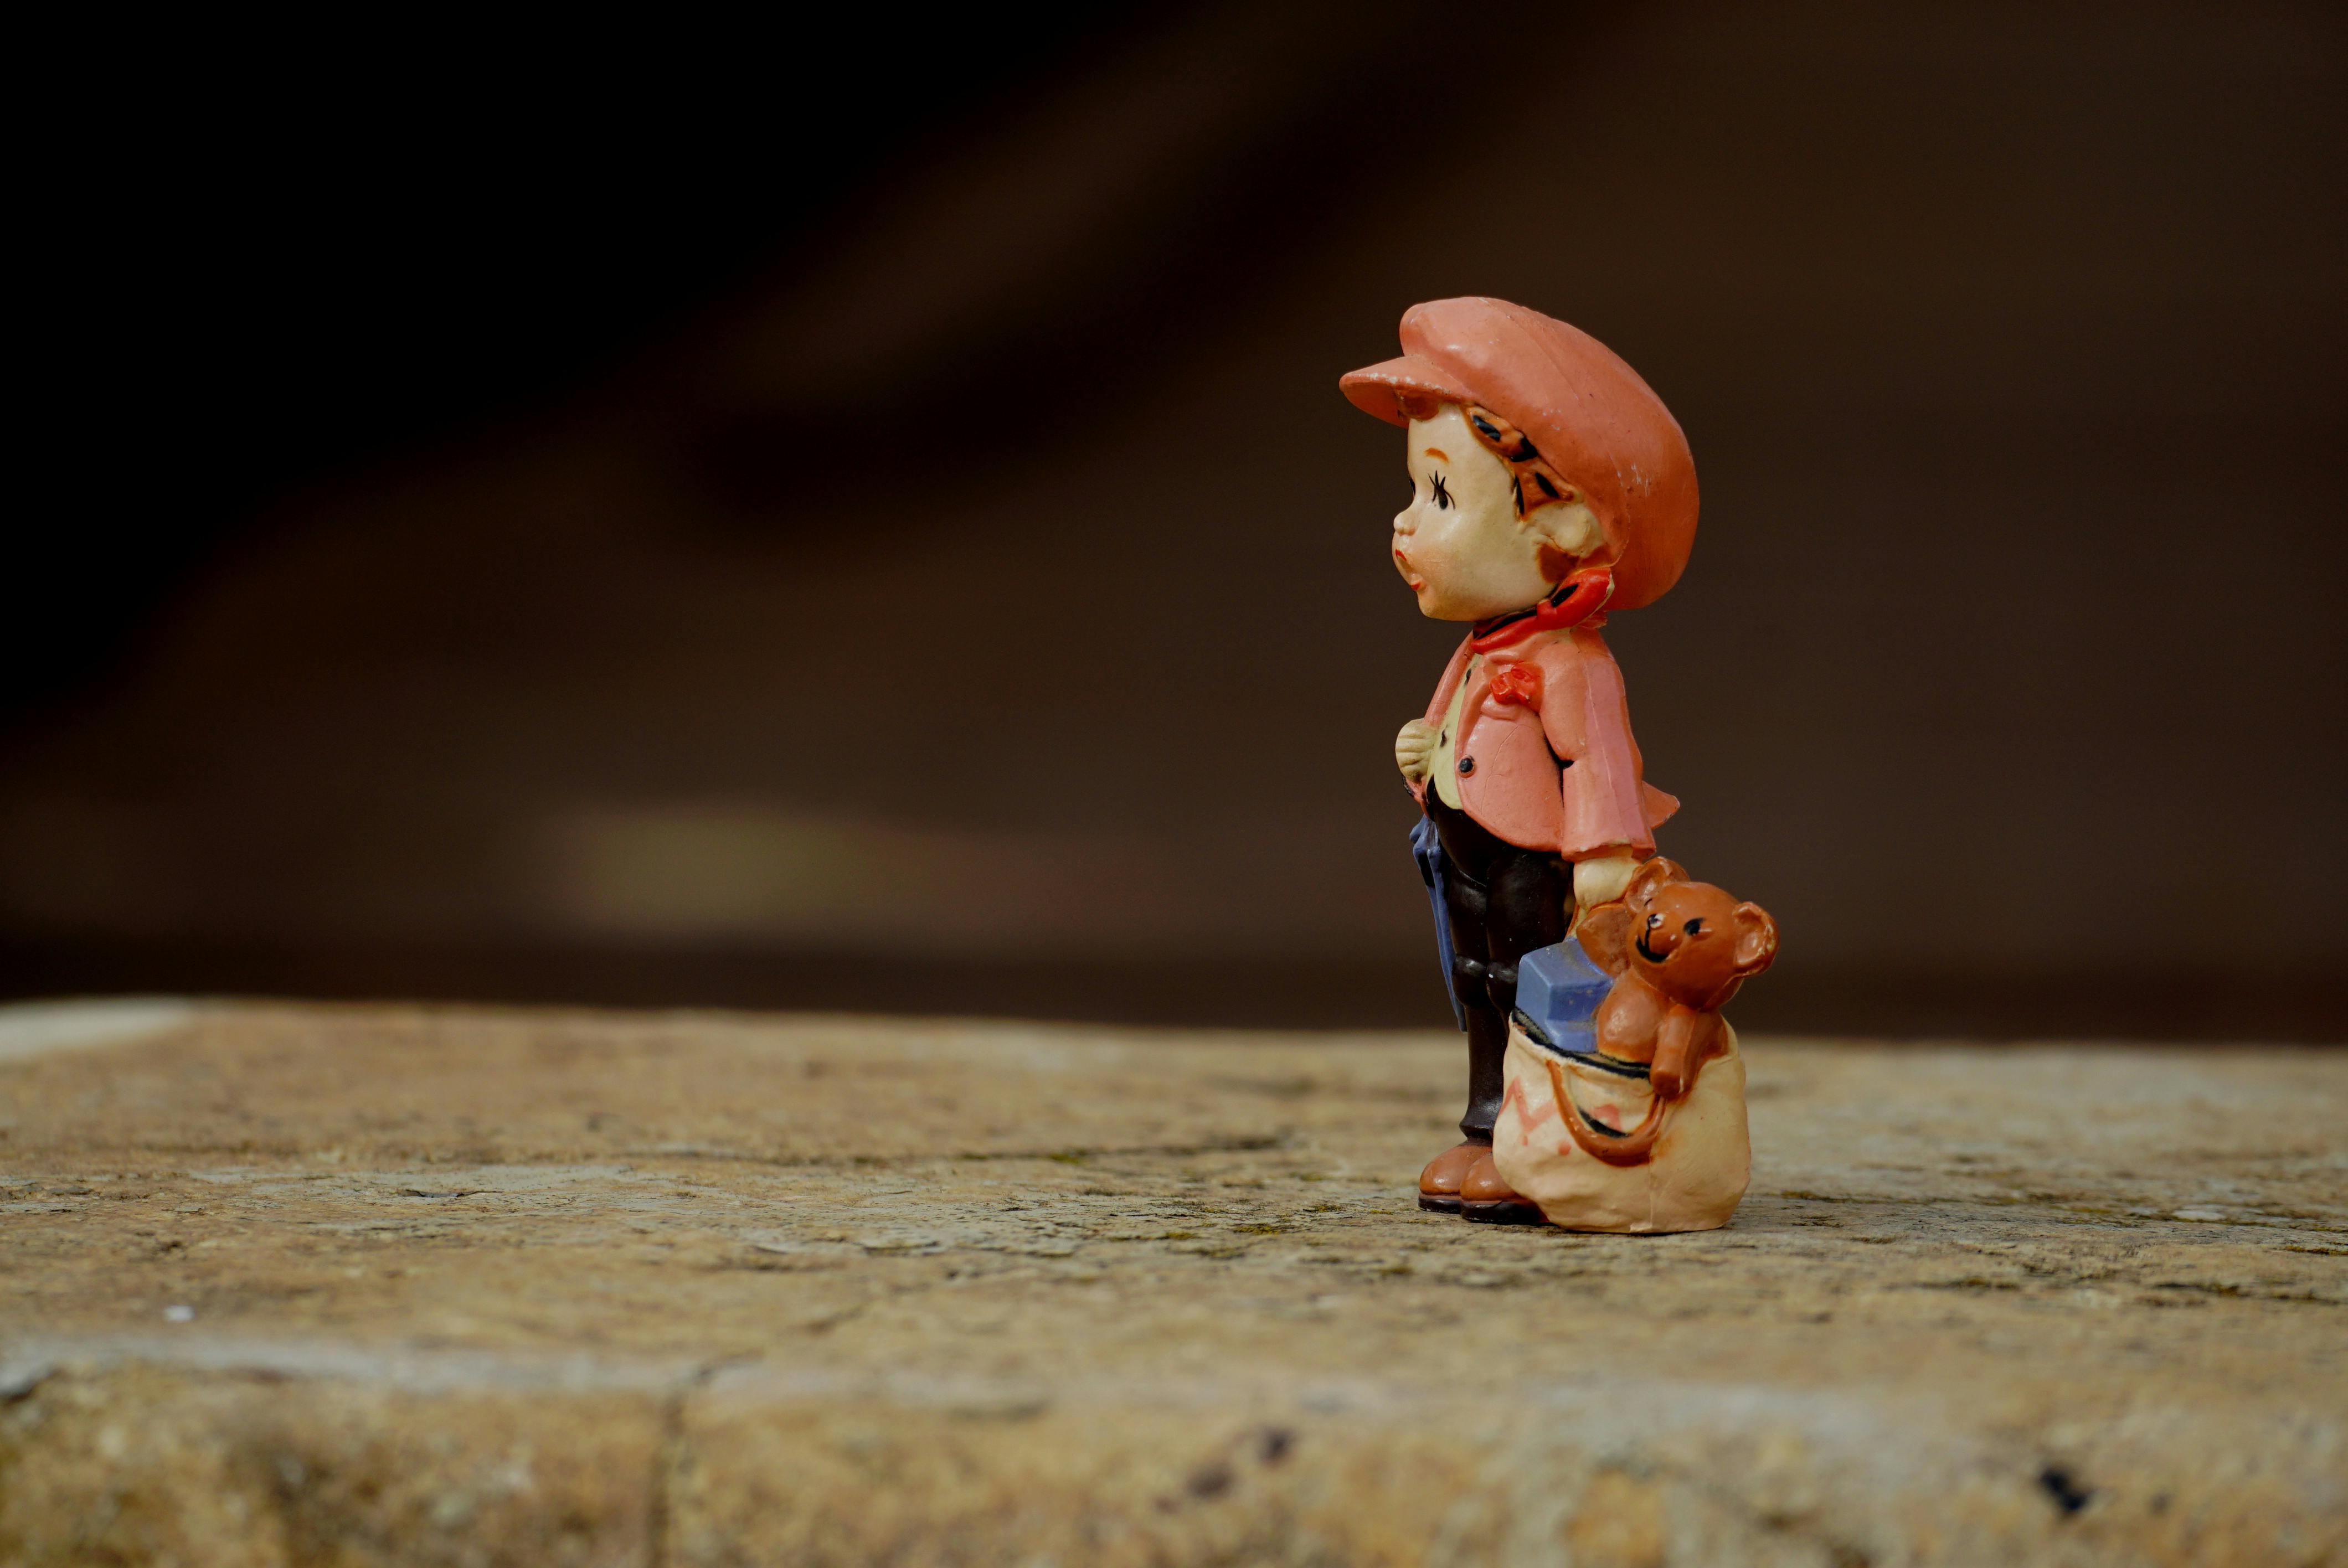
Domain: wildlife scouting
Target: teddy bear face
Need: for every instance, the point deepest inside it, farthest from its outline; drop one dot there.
(1692, 940)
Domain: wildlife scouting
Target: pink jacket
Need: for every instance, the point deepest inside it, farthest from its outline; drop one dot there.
(1544, 755)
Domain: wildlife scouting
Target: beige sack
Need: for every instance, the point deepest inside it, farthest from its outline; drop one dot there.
(1701, 1163)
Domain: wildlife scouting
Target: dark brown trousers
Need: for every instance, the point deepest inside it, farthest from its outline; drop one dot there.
(1503, 902)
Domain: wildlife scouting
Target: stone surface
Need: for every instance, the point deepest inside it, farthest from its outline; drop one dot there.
(376, 1286)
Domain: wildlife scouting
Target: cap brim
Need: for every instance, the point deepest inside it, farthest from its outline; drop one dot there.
(1385, 389)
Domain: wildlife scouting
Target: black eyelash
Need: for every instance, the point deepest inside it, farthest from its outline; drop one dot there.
(1442, 494)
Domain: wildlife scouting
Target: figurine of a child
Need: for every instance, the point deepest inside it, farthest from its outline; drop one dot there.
(1549, 486)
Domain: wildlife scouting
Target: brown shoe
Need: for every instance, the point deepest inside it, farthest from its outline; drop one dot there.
(1484, 1197)
(1438, 1184)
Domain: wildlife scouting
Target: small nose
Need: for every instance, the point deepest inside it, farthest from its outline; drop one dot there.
(1406, 520)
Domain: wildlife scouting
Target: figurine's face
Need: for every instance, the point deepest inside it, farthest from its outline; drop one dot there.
(1461, 545)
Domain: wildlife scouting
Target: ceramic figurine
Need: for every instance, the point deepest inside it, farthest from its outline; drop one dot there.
(1550, 488)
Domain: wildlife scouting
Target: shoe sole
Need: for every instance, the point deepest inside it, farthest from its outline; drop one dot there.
(1435, 1204)
(1509, 1212)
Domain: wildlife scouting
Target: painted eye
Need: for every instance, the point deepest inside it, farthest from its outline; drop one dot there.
(1442, 494)
(1693, 927)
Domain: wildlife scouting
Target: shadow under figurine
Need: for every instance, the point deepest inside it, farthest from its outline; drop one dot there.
(1632, 1118)
(1550, 485)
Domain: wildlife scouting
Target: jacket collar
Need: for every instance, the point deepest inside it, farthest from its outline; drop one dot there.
(1568, 605)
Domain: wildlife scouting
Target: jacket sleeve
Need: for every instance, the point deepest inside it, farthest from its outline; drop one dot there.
(1587, 718)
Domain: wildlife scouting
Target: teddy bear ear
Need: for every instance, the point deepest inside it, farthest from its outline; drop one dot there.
(1604, 934)
(1757, 938)
(1652, 875)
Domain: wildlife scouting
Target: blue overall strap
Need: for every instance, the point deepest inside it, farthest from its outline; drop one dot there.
(1427, 850)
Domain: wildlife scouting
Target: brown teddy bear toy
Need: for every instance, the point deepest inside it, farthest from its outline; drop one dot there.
(1688, 946)
(1651, 1140)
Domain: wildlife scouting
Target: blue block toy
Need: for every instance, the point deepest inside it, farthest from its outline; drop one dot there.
(1557, 993)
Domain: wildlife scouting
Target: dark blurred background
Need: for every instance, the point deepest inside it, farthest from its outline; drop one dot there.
(862, 517)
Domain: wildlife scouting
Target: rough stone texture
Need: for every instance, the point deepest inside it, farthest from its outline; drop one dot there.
(285, 1286)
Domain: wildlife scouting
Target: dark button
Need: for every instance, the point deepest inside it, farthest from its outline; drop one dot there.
(1467, 765)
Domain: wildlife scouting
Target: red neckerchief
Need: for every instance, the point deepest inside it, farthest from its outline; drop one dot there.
(1569, 604)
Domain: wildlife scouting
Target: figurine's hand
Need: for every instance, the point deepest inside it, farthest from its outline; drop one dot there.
(1415, 750)
(1602, 922)
(1601, 878)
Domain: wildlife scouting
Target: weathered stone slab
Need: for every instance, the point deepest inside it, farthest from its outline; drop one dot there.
(380, 1286)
